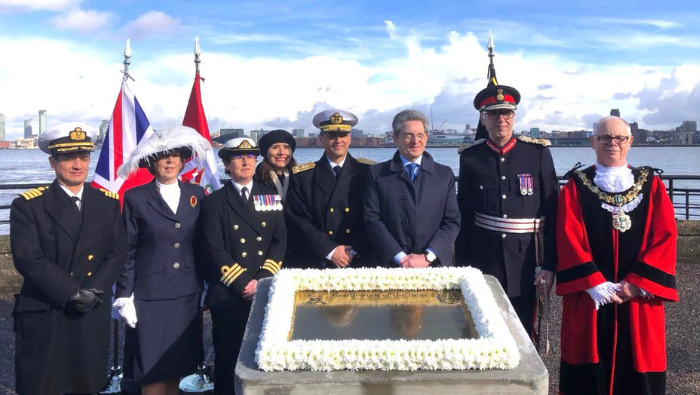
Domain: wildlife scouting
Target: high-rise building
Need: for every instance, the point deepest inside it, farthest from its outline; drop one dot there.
(28, 128)
(615, 112)
(298, 132)
(356, 132)
(104, 126)
(256, 134)
(235, 132)
(535, 132)
(42, 122)
(2, 127)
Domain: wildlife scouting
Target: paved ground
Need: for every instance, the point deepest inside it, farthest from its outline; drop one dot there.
(683, 336)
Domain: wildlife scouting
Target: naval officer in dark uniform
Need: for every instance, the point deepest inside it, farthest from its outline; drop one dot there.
(69, 245)
(158, 292)
(325, 200)
(508, 201)
(411, 214)
(244, 240)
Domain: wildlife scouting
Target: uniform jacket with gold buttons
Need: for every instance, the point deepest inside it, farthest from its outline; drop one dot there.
(161, 244)
(239, 242)
(489, 183)
(328, 212)
(57, 255)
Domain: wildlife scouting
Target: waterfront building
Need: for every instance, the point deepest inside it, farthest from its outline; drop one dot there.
(28, 128)
(535, 133)
(298, 132)
(256, 134)
(356, 132)
(232, 133)
(42, 122)
(2, 127)
(684, 133)
(104, 126)
(615, 112)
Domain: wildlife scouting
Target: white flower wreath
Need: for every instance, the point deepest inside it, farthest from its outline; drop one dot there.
(495, 348)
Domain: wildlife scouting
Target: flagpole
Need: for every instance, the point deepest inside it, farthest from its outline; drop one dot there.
(198, 383)
(127, 61)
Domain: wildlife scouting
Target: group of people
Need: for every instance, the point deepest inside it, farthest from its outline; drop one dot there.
(609, 236)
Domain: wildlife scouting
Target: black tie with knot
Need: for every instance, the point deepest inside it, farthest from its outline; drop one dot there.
(336, 170)
(244, 194)
(74, 201)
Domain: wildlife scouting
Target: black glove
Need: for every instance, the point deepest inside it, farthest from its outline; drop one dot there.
(86, 299)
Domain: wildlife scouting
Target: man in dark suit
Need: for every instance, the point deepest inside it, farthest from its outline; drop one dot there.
(325, 199)
(244, 240)
(411, 214)
(508, 201)
(68, 242)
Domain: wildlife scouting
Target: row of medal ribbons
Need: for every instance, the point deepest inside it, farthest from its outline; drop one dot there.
(267, 202)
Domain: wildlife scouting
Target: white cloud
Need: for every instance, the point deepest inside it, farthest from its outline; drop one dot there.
(54, 5)
(83, 21)
(658, 23)
(151, 23)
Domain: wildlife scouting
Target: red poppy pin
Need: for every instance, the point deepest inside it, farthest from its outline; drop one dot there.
(193, 201)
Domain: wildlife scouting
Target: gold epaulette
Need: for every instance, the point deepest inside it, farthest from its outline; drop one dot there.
(303, 167)
(544, 142)
(366, 161)
(462, 147)
(32, 193)
(107, 193)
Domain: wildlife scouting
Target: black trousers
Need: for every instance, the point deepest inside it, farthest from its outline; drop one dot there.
(228, 326)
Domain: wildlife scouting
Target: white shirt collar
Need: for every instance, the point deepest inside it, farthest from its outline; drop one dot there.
(613, 179)
(406, 161)
(240, 186)
(79, 194)
(333, 164)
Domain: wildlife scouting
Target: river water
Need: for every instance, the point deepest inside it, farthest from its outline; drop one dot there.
(32, 166)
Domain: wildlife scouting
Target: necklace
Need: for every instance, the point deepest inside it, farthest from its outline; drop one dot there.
(621, 221)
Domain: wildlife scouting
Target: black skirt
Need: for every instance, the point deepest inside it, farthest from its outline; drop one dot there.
(167, 341)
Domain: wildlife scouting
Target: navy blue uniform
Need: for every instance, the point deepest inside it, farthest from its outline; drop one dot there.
(401, 215)
(239, 244)
(59, 350)
(161, 272)
(489, 184)
(328, 211)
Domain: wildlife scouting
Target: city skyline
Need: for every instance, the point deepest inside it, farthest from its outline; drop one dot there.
(275, 64)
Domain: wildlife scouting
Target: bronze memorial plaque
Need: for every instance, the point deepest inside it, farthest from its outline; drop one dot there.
(381, 315)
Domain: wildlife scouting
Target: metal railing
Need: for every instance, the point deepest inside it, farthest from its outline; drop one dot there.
(686, 200)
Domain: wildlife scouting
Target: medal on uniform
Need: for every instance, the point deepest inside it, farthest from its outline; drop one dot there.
(257, 203)
(278, 202)
(523, 184)
(529, 184)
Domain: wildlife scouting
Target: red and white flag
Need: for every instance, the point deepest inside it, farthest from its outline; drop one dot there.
(127, 128)
(202, 172)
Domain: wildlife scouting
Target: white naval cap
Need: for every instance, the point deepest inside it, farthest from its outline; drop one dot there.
(335, 120)
(68, 137)
(237, 146)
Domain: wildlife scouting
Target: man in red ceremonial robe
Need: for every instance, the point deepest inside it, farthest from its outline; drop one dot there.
(616, 243)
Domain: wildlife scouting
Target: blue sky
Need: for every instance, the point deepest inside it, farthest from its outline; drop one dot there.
(276, 63)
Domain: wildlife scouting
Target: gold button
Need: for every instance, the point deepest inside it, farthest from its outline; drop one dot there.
(90, 257)
(330, 233)
(89, 274)
(260, 253)
(258, 238)
(264, 224)
(177, 245)
(331, 209)
(481, 187)
(242, 241)
(503, 160)
(347, 230)
(176, 265)
(177, 225)
(347, 209)
(71, 273)
(244, 254)
(235, 227)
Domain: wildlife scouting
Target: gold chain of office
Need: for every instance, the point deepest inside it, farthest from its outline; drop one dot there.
(617, 199)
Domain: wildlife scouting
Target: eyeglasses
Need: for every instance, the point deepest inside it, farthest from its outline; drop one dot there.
(493, 115)
(241, 158)
(418, 137)
(606, 140)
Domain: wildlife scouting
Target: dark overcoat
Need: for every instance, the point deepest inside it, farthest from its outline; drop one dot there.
(489, 184)
(401, 215)
(59, 350)
(328, 211)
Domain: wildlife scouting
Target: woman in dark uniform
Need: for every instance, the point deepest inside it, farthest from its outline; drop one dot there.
(277, 149)
(158, 292)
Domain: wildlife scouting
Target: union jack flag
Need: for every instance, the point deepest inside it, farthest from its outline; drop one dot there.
(127, 128)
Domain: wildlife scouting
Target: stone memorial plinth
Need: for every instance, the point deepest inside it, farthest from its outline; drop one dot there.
(528, 377)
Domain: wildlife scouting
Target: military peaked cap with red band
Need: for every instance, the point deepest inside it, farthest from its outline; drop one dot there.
(497, 97)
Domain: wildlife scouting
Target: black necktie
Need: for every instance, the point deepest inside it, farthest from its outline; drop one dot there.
(336, 170)
(74, 201)
(244, 194)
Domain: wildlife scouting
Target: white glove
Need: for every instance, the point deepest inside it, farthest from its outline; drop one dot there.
(127, 310)
(603, 293)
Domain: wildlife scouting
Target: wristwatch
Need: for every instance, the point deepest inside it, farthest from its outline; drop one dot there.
(430, 257)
